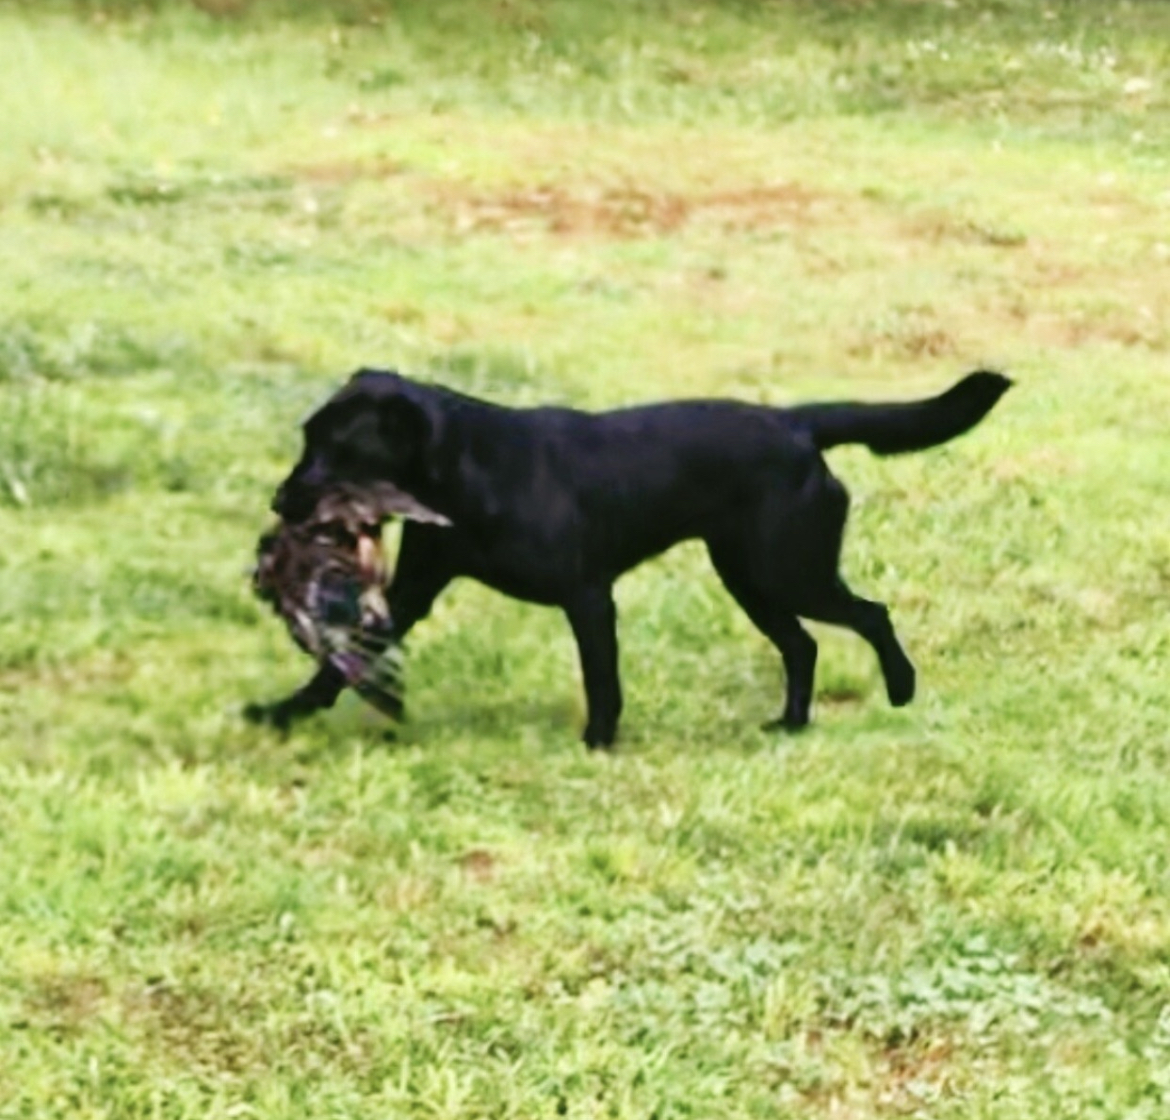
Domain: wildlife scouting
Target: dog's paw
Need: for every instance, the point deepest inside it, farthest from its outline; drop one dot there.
(786, 723)
(275, 716)
(599, 738)
(900, 685)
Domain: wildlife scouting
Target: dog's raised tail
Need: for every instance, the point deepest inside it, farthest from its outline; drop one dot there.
(892, 429)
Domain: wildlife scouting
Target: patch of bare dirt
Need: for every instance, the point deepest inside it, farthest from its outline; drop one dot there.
(940, 226)
(195, 1027)
(192, 1025)
(620, 212)
(915, 1073)
(478, 864)
(839, 696)
(1125, 328)
(1064, 305)
(1133, 326)
(904, 335)
(63, 1004)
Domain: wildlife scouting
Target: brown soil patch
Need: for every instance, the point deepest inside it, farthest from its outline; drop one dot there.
(1064, 305)
(1137, 326)
(64, 1004)
(478, 864)
(908, 336)
(1078, 329)
(840, 695)
(191, 1025)
(621, 212)
(914, 1071)
(231, 1033)
(939, 226)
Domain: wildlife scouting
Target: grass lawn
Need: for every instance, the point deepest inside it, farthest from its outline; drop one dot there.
(210, 213)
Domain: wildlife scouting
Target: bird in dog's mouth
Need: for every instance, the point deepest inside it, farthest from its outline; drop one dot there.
(326, 577)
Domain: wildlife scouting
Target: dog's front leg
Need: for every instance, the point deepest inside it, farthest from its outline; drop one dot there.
(321, 691)
(593, 618)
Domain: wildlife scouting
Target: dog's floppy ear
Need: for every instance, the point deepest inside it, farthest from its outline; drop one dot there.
(404, 428)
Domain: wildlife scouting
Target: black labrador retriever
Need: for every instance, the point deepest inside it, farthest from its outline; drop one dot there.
(551, 505)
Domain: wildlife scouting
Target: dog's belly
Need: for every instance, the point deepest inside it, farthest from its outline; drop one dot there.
(549, 561)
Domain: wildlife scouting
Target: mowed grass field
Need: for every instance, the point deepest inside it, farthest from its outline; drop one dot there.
(209, 216)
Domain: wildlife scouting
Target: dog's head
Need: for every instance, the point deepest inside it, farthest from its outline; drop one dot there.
(372, 434)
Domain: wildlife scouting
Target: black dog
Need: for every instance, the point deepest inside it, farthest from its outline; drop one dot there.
(551, 505)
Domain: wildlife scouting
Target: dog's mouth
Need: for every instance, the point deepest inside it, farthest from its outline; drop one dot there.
(326, 576)
(355, 515)
(369, 506)
(344, 531)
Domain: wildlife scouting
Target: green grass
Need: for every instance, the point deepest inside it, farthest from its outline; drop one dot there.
(958, 910)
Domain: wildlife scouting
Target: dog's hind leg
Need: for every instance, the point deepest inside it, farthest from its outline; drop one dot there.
(809, 553)
(839, 606)
(593, 617)
(776, 622)
(780, 562)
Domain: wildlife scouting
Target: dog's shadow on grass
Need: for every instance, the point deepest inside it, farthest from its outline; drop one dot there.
(552, 719)
(433, 723)
(439, 721)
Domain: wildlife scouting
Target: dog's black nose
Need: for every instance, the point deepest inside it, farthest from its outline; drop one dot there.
(297, 496)
(292, 503)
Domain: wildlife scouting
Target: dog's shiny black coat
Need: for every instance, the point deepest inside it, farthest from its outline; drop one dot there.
(551, 505)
